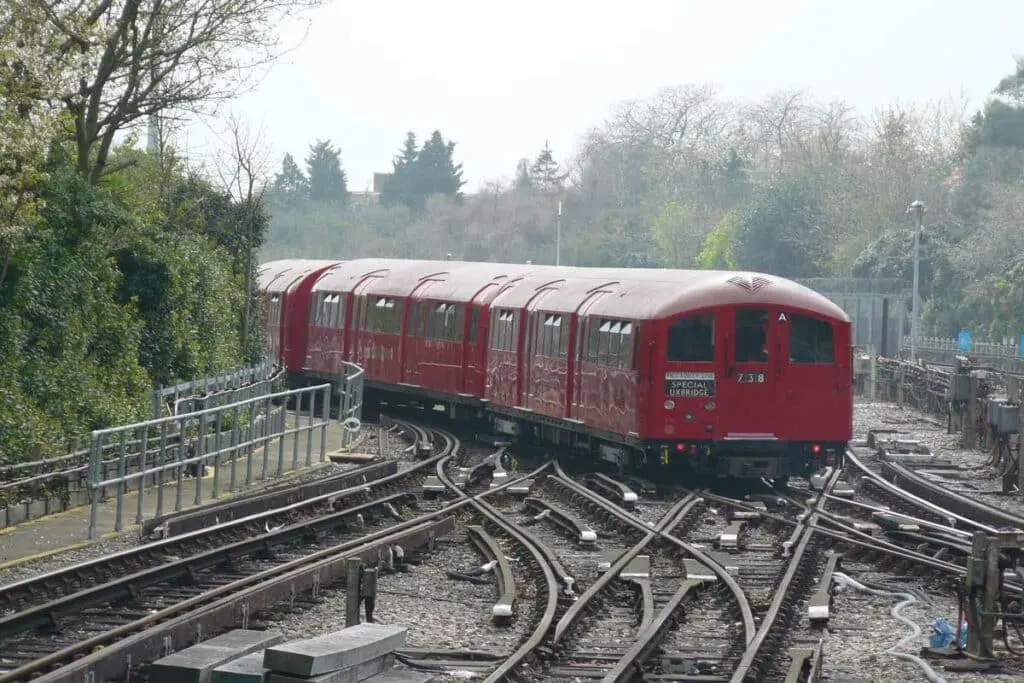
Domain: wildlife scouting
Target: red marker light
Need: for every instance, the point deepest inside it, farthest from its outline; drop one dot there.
(680, 447)
(816, 448)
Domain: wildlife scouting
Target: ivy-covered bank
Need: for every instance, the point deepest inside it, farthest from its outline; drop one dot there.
(136, 280)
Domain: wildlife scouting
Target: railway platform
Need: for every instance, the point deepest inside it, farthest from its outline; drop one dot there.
(66, 531)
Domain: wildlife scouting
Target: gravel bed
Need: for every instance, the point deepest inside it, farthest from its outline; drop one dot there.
(976, 480)
(862, 628)
(438, 611)
(130, 539)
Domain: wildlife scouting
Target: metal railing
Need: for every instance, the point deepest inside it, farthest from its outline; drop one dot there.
(1003, 356)
(254, 424)
(262, 371)
(50, 485)
(350, 409)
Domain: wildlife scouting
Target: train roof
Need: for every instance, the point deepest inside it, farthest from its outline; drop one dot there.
(632, 293)
(283, 275)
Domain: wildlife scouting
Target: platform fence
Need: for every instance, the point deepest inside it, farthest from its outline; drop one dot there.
(252, 438)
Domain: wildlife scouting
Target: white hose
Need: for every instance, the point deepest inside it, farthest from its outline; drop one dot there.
(908, 599)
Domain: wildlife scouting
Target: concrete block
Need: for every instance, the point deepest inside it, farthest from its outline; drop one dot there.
(196, 664)
(333, 651)
(248, 669)
(402, 676)
(353, 674)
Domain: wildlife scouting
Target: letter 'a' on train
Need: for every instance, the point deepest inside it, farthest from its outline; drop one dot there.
(715, 373)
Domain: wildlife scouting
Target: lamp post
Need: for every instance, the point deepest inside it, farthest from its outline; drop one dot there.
(558, 235)
(917, 208)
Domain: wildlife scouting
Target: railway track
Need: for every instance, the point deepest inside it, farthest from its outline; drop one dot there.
(714, 595)
(56, 618)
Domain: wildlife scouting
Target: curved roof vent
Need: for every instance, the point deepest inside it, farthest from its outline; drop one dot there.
(748, 282)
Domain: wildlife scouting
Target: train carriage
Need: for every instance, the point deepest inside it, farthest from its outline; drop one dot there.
(733, 374)
(285, 286)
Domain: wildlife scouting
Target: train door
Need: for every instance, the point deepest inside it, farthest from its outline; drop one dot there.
(575, 389)
(817, 372)
(753, 366)
(533, 319)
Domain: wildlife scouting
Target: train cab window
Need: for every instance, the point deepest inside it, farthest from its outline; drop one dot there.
(751, 335)
(810, 340)
(692, 339)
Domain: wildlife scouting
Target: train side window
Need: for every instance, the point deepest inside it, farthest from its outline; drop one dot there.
(614, 344)
(692, 339)
(563, 338)
(751, 335)
(626, 348)
(603, 343)
(810, 340)
(593, 335)
(474, 321)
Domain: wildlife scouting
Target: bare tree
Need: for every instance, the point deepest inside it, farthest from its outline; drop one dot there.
(144, 57)
(781, 124)
(243, 169)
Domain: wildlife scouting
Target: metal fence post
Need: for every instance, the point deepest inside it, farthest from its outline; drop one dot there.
(249, 444)
(234, 448)
(298, 424)
(122, 455)
(326, 418)
(311, 409)
(182, 441)
(201, 448)
(143, 447)
(95, 455)
(161, 461)
(265, 437)
(217, 441)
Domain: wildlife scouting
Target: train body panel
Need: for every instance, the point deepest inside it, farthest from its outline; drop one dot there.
(738, 374)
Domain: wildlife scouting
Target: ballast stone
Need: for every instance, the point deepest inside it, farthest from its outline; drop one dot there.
(248, 669)
(196, 664)
(343, 649)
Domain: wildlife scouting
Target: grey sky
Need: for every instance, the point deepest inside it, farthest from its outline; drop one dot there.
(500, 78)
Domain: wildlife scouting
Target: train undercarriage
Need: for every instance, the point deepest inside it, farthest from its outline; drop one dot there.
(677, 461)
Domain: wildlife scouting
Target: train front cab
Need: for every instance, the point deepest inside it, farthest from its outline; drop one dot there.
(753, 391)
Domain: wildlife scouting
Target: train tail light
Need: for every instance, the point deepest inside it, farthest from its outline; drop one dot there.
(816, 449)
(830, 457)
(680, 447)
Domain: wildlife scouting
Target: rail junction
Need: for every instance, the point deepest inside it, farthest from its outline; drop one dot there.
(589, 577)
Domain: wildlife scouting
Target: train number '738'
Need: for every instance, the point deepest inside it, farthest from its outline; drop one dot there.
(751, 377)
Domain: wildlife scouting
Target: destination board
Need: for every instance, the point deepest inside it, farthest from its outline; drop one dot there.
(690, 384)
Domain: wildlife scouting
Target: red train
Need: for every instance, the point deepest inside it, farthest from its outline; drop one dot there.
(723, 373)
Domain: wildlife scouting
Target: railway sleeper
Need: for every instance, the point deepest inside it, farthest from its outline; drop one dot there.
(504, 607)
(583, 534)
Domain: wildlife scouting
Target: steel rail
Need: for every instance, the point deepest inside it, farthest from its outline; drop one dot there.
(949, 515)
(746, 613)
(983, 513)
(747, 661)
(113, 652)
(668, 522)
(176, 544)
(123, 587)
(109, 655)
(654, 625)
(525, 539)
